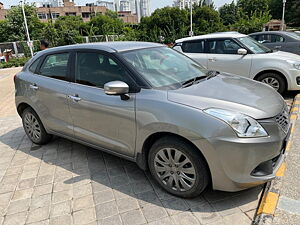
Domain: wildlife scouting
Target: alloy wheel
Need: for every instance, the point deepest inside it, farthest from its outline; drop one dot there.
(32, 126)
(174, 169)
(274, 83)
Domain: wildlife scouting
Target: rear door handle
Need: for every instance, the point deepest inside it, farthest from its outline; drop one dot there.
(278, 46)
(212, 59)
(74, 98)
(33, 86)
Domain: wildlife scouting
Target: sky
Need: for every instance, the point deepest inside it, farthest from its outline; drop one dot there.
(154, 3)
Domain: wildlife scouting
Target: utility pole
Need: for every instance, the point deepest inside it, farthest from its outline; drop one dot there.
(283, 11)
(191, 14)
(26, 28)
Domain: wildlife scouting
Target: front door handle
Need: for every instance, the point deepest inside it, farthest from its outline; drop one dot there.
(212, 59)
(33, 86)
(277, 47)
(74, 98)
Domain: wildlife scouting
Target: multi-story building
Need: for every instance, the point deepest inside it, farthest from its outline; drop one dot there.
(69, 9)
(144, 8)
(186, 3)
(107, 4)
(49, 3)
(125, 6)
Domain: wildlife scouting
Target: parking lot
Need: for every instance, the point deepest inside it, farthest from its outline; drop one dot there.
(67, 183)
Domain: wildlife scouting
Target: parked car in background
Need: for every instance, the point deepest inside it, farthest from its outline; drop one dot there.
(279, 40)
(152, 105)
(240, 54)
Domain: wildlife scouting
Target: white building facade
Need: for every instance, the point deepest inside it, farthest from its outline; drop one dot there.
(50, 3)
(186, 3)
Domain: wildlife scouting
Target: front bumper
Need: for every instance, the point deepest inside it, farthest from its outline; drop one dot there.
(294, 76)
(242, 163)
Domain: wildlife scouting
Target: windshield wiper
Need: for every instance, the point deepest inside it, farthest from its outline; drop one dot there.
(192, 81)
(211, 74)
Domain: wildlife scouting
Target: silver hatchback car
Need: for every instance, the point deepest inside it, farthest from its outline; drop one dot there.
(150, 104)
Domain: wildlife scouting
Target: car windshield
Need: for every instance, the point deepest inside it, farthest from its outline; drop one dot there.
(254, 46)
(293, 35)
(164, 67)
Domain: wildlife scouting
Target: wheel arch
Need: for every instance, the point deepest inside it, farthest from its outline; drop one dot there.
(273, 71)
(142, 157)
(21, 107)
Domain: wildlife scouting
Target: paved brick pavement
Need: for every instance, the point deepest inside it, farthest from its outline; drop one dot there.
(67, 183)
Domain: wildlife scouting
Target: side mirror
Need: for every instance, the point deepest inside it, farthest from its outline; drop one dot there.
(116, 88)
(242, 51)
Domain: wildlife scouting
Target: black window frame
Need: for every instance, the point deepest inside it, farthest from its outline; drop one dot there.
(69, 64)
(133, 87)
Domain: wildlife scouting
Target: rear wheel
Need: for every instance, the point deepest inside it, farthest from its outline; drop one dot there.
(177, 167)
(34, 127)
(274, 80)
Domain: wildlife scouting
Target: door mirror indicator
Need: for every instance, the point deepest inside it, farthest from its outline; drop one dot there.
(242, 51)
(116, 88)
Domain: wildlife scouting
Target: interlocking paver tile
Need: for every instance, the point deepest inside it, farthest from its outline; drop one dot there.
(18, 206)
(40, 201)
(106, 209)
(103, 196)
(38, 214)
(61, 196)
(163, 221)
(84, 216)
(154, 212)
(14, 219)
(21, 194)
(60, 209)
(113, 220)
(127, 204)
(186, 218)
(133, 217)
(83, 202)
(25, 184)
(61, 220)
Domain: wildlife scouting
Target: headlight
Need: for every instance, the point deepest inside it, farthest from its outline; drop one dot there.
(243, 125)
(294, 64)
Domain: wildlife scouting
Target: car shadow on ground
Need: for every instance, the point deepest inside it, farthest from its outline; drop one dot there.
(113, 178)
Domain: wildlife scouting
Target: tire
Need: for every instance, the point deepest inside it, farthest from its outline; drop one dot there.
(34, 128)
(273, 78)
(194, 163)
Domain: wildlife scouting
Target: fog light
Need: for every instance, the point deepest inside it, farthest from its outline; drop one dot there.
(298, 80)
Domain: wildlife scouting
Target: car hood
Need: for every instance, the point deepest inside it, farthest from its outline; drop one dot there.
(233, 93)
(285, 55)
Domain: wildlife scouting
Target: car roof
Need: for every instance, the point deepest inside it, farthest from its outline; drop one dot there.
(271, 32)
(230, 34)
(116, 46)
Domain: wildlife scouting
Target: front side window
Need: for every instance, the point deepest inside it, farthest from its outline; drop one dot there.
(253, 45)
(226, 46)
(96, 69)
(163, 67)
(55, 66)
(193, 47)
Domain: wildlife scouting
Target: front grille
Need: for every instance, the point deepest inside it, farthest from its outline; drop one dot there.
(283, 119)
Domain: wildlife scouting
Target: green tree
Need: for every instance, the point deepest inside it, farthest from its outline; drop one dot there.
(50, 33)
(206, 20)
(69, 30)
(16, 27)
(164, 25)
(228, 13)
(4, 31)
(249, 7)
(251, 24)
(292, 11)
(275, 7)
(106, 24)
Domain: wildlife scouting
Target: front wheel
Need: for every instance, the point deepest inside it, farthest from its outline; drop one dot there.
(34, 127)
(274, 80)
(178, 167)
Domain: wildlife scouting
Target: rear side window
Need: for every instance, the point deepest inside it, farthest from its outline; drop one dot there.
(55, 66)
(34, 65)
(276, 38)
(193, 47)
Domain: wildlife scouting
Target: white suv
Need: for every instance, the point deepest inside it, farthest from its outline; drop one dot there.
(239, 54)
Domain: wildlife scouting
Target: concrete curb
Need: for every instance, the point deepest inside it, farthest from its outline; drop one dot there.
(269, 200)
